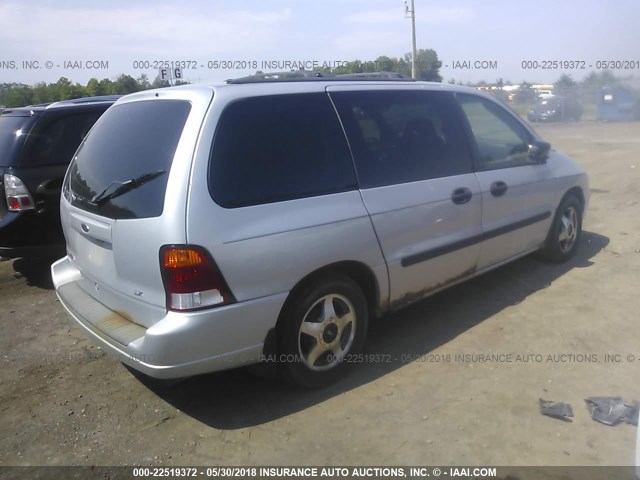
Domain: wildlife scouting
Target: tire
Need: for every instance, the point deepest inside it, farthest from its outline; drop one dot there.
(565, 232)
(324, 324)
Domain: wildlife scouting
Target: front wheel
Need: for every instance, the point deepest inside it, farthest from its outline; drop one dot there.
(324, 325)
(564, 235)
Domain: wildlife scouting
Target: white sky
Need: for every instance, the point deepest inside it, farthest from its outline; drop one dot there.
(121, 32)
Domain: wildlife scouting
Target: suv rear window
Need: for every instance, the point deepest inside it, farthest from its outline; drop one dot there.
(13, 131)
(56, 137)
(279, 147)
(121, 169)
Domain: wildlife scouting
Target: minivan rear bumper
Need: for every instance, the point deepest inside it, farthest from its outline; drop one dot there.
(178, 345)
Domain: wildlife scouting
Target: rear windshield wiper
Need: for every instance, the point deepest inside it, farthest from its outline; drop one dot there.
(123, 187)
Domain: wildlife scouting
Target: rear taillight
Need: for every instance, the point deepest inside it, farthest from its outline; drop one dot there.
(192, 279)
(17, 195)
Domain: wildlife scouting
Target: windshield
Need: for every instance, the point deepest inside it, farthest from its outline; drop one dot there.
(130, 142)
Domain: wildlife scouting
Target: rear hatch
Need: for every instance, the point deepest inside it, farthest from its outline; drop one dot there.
(124, 196)
(15, 125)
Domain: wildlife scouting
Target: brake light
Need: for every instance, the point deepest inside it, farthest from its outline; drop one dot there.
(17, 195)
(191, 278)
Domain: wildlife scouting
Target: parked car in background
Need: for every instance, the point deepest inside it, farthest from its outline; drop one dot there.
(266, 220)
(36, 146)
(556, 109)
(544, 94)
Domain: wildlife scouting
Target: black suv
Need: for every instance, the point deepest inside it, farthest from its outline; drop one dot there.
(36, 145)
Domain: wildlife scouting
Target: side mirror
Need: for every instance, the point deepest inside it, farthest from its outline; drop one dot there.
(539, 151)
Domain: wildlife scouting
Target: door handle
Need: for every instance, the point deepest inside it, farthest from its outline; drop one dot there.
(498, 188)
(461, 196)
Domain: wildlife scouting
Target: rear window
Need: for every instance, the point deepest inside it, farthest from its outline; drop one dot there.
(281, 147)
(13, 131)
(56, 137)
(121, 169)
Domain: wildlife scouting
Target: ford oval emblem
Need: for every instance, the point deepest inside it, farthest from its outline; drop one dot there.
(85, 228)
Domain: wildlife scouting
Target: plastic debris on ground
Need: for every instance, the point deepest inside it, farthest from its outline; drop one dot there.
(612, 410)
(559, 410)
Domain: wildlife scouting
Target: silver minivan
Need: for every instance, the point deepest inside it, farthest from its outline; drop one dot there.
(268, 220)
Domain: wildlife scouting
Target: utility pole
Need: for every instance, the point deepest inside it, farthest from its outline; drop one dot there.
(410, 12)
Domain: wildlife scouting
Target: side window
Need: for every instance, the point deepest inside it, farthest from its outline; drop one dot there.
(502, 142)
(54, 139)
(279, 147)
(403, 136)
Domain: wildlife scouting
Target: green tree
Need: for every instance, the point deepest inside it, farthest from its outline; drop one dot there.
(41, 93)
(525, 94)
(158, 83)
(593, 82)
(95, 88)
(500, 94)
(19, 95)
(566, 85)
(143, 82)
(107, 87)
(61, 90)
(16, 95)
(386, 64)
(125, 84)
(565, 81)
(607, 78)
(427, 65)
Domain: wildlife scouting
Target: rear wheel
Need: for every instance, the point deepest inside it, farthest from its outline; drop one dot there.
(323, 326)
(564, 235)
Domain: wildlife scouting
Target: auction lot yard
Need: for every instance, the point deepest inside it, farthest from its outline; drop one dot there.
(64, 402)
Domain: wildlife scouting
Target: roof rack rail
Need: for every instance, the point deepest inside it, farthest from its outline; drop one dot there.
(306, 76)
(46, 104)
(80, 101)
(296, 75)
(375, 76)
(17, 112)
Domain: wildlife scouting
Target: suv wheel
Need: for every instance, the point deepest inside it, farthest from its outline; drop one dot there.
(325, 324)
(564, 235)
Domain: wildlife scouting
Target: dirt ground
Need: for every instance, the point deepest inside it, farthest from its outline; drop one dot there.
(64, 402)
